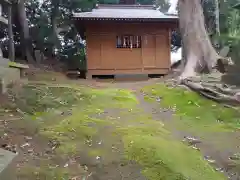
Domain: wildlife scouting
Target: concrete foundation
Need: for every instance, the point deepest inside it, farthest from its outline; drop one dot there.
(6, 158)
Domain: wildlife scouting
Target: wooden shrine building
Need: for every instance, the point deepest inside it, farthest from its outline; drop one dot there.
(126, 38)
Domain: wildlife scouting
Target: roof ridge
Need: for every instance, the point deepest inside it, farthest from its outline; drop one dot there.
(124, 6)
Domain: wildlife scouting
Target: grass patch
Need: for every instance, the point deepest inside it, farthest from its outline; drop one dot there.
(44, 172)
(166, 159)
(38, 99)
(74, 131)
(161, 156)
(194, 111)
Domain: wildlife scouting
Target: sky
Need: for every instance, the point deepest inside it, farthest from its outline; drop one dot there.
(173, 7)
(41, 1)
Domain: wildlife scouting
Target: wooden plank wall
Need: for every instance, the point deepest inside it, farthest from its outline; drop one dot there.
(103, 57)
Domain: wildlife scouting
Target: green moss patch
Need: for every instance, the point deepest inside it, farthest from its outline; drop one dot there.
(194, 111)
(161, 156)
(17, 65)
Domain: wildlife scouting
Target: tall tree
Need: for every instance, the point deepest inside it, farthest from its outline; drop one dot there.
(199, 53)
(11, 50)
(26, 40)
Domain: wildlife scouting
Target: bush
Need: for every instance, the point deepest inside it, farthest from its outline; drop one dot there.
(74, 56)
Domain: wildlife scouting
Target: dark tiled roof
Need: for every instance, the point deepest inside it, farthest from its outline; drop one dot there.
(124, 12)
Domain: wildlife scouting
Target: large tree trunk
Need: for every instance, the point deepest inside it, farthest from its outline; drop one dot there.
(199, 53)
(54, 21)
(201, 57)
(25, 30)
(10, 34)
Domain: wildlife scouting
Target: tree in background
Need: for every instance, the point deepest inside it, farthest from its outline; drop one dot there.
(25, 35)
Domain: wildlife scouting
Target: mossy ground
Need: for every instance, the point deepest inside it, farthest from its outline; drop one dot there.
(105, 126)
(194, 112)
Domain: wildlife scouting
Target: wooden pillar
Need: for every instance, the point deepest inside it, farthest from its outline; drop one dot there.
(11, 49)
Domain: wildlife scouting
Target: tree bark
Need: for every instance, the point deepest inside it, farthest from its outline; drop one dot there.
(199, 53)
(25, 30)
(217, 17)
(10, 35)
(54, 15)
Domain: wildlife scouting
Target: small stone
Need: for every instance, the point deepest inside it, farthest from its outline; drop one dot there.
(28, 138)
(30, 150)
(158, 99)
(192, 140)
(25, 145)
(98, 157)
(194, 147)
(76, 178)
(85, 168)
(66, 165)
(235, 157)
(211, 160)
(219, 169)
(206, 157)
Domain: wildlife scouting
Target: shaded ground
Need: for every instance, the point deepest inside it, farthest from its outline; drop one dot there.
(102, 130)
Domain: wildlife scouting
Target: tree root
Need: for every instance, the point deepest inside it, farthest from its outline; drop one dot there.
(210, 85)
(216, 92)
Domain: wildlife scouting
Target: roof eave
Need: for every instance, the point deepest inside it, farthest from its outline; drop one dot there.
(164, 19)
(124, 6)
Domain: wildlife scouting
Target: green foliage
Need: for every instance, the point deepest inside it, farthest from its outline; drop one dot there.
(227, 16)
(233, 23)
(108, 1)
